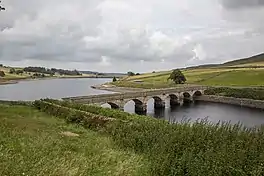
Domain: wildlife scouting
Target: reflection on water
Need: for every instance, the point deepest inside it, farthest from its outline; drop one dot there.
(213, 112)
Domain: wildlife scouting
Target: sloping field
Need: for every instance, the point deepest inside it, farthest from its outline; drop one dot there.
(251, 77)
(34, 143)
(209, 76)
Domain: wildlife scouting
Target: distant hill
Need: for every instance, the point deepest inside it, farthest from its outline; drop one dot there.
(253, 59)
(250, 60)
(104, 74)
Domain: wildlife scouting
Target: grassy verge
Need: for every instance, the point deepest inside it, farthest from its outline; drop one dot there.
(250, 93)
(31, 143)
(181, 149)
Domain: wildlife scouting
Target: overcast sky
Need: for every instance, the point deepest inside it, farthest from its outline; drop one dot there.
(122, 35)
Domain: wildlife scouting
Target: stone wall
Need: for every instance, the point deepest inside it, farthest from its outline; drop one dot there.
(234, 101)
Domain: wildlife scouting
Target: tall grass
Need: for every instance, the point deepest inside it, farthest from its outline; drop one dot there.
(200, 148)
(31, 144)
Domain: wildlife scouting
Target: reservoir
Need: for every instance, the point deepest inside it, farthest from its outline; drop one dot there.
(59, 88)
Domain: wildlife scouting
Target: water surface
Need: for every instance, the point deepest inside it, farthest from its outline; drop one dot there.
(51, 88)
(59, 88)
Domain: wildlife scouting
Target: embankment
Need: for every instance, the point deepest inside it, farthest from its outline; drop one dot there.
(259, 104)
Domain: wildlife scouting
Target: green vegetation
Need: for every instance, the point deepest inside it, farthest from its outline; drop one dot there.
(250, 60)
(12, 73)
(2, 74)
(243, 72)
(208, 76)
(177, 77)
(250, 93)
(130, 73)
(114, 79)
(174, 149)
(34, 143)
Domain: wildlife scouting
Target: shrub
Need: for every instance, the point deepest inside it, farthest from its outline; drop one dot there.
(250, 93)
(12, 71)
(2, 74)
(72, 115)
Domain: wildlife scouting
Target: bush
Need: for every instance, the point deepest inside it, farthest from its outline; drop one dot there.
(72, 115)
(2, 74)
(12, 71)
(250, 93)
(130, 73)
(18, 72)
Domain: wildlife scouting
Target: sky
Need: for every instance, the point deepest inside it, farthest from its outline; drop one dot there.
(130, 35)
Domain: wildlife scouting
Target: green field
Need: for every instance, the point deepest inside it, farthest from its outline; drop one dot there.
(206, 76)
(32, 143)
(28, 75)
(112, 142)
(243, 72)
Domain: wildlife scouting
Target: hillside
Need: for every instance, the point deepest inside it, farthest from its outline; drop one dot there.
(242, 72)
(253, 61)
(35, 143)
(250, 60)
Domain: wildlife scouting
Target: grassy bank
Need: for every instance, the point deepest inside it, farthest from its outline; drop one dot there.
(173, 149)
(250, 93)
(32, 143)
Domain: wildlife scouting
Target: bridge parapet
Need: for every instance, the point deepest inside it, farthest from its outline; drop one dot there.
(159, 96)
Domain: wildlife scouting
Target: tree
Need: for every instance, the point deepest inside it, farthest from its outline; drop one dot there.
(138, 74)
(114, 79)
(130, 73)
(1, 65)
(18, 72)
(2, 74)
(177, 77)
(1, 8)
(12, 71)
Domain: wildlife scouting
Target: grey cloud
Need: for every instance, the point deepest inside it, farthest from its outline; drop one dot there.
(237, 4)
(86, 32)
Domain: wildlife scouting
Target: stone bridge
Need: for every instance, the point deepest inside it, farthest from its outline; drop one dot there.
(177, 95)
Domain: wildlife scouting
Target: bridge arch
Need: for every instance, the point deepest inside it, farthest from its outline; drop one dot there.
(187, 97)
(140, 105)
(174, 100)
(197, 93)
(113, 105)
(159, 102)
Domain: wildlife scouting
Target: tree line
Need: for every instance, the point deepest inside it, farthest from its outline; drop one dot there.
(51, 71)
(1, 8)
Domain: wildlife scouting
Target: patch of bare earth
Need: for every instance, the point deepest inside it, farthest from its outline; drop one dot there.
(70, 134)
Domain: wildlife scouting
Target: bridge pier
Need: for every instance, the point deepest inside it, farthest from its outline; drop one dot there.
(141, 108)
(159, 104)
(121, 108)
(188, 100)
(174, 103)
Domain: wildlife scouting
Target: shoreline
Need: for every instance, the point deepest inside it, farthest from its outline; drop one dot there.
(17, 80)
(112, 88)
